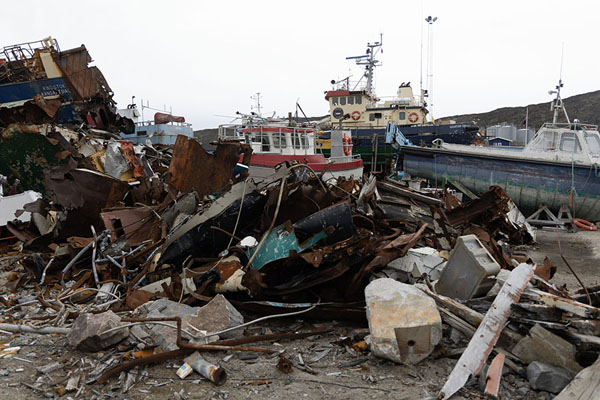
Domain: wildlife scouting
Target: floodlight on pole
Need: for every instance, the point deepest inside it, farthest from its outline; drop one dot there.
(430, 20)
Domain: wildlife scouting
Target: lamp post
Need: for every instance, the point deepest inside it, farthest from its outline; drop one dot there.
(430, 20)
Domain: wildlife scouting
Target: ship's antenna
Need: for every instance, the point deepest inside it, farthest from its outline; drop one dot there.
(558, 105)
(256, 98)
(369, 61)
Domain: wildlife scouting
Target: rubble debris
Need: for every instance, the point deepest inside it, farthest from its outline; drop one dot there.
(404, 322)
(547, 377)
(487, 334)
(95, 332)
(469, 272)
(177, 243)
(219, 315)
(544, 346)
(213, 373)
(419, 261)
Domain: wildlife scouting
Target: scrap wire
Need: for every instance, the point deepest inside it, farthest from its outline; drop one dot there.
(572, 270)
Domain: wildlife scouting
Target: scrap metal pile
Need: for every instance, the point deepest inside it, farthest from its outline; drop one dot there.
(143, 254)
(126, 247)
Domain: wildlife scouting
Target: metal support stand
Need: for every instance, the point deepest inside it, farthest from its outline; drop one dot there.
(544, 217)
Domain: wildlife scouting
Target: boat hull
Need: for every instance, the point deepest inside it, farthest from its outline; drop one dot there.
(362, 140)
(263, 165)
(529, 183)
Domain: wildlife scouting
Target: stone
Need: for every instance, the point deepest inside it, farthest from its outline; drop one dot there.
(87, 333)
(165, 336)
(217, 315)
(544, 346)
(548, 377)
(404, 323)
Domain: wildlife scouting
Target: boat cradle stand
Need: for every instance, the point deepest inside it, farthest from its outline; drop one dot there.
(544, 217)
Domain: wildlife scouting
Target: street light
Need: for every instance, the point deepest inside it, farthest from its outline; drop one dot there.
(430, 20)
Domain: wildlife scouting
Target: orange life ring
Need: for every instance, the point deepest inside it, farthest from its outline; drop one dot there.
(355, 115)
(413, 117)
(585, 225)
(347, 145)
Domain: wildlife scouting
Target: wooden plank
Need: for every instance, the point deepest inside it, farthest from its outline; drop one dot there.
(585, 385)
(494, 375)
(488, 332)
(471, 316)
(568, 305)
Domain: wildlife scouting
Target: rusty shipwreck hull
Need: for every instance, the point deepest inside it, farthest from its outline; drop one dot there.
(529, 183)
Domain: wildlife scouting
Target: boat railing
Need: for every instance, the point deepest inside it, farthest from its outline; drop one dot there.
(21, 51)
(572, 125)
(151, 122)
(353, 157)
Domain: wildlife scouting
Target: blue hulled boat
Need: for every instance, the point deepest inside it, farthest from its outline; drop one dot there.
(558, 167)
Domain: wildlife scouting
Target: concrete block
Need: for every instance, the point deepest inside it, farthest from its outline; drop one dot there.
(424, 260)
(87, 331)
(404, 323)
(470, 270)
(548, 377)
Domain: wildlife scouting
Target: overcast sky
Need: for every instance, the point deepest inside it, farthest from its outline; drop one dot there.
(205, 59)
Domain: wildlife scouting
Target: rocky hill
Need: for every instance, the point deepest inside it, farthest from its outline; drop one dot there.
(585, 107)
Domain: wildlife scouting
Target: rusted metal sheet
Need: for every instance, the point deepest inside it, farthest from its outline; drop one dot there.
(489, 331)
(193, 168)
(87, 81)
(137, 224)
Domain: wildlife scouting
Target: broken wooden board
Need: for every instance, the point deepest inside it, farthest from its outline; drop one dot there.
(568, 305)
(489, 330)
(494, 375)
(585, 385)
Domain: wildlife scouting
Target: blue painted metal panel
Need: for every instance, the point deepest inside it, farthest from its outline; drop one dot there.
(528, 183)
(12, 92)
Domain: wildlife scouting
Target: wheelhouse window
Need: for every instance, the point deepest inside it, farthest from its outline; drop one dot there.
(279, 140)
(593, 143)
(548, 141)
(334, 101)
(358, 100)
(265, 145)
(350, 99)
(296, 140)
(342, 101)
(569, 143)
(304, 140)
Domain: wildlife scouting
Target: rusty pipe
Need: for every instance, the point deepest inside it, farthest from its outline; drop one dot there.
(192, 346)
(213, 373)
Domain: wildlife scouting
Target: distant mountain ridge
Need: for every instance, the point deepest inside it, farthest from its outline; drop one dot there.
(584, 107)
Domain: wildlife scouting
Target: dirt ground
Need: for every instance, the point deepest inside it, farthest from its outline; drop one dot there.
(333, 371)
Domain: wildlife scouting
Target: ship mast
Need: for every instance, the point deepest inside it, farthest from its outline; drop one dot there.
(557, 105)
(369, 61)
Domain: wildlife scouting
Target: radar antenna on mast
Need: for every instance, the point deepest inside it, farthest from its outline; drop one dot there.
(369, 61)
